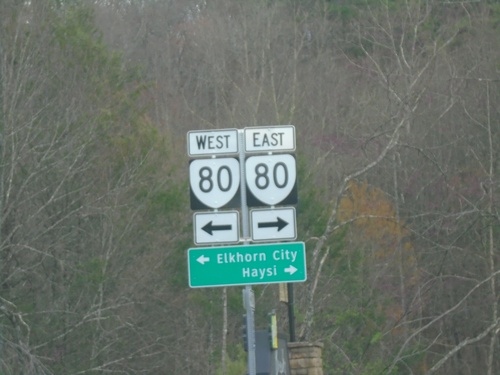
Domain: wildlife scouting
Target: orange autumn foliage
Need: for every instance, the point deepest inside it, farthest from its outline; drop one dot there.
(371, 210)
(389, 262)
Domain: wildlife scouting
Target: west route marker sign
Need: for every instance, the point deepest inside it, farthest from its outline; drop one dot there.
(247, 264)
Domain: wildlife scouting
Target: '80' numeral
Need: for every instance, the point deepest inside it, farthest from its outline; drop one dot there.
(224, 179)
(262, 179)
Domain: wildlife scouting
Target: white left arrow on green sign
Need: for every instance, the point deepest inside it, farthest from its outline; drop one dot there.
(203, 259)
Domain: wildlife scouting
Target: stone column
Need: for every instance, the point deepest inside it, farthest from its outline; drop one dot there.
(305, 358)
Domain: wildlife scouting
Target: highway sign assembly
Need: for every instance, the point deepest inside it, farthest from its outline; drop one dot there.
(241, 169)
(247, 264)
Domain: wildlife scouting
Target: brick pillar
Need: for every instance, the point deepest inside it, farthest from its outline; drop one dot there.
(305, 358)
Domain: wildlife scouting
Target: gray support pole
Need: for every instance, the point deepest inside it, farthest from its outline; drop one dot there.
(291, 312)
(2, 127)
(248, 295)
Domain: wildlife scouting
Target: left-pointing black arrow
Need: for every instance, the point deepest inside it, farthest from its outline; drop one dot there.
(210, 228)
(279, 224)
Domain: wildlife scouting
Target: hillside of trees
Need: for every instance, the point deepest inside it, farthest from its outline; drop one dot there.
(396, 105)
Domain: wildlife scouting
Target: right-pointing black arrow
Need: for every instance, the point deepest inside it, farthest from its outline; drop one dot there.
(279, 223)
(209, 227)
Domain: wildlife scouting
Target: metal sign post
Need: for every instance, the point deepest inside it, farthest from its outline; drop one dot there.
(248, 296)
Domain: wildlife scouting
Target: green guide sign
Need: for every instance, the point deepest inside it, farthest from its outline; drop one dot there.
(247, 264)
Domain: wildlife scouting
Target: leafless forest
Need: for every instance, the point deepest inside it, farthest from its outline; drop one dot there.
(396, 105)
